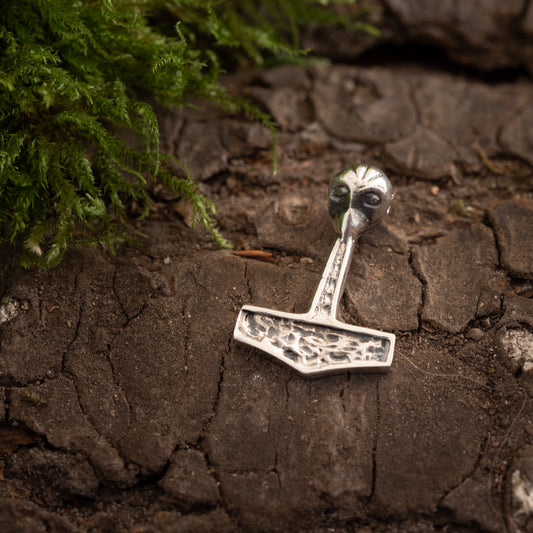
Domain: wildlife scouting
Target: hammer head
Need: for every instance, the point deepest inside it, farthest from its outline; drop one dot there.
(314, 346)
(359, 197)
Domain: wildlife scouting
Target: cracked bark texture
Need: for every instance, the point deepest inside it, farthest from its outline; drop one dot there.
(483, 34)
(126, 405)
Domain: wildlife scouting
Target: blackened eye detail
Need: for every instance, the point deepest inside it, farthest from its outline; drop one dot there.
(371, 199)
(340, 191)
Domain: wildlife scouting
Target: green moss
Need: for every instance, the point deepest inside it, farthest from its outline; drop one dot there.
(74, 73)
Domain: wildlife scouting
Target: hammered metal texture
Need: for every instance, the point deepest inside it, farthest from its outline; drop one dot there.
(312, 345)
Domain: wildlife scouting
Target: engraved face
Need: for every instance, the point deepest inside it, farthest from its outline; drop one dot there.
(359, 196)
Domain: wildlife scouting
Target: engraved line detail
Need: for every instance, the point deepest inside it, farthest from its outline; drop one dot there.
(312, 345)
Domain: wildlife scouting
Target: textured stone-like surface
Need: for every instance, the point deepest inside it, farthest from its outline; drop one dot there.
(22, 515)
(513, 223)
(292, 463)
(2, 404)
(456, 269)
(516, 135)
(520, 489)
(51, 318)
(189, 480)
(481, 34)
(461, 114)
(461, 122)
(205, 147)
(62, 422)
(517, 346)
(424, 151)
(174, 522)
(201, 149)
(448, 430)
(470, 504)
(72, 477)
(367, 106)
(287, 97)
(433, 125)
(127, 405)
(296, 223)
(382, 287)
(517, 310)
(477, 23)
(170, 388)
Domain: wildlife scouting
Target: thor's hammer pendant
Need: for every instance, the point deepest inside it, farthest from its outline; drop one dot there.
(316, 342)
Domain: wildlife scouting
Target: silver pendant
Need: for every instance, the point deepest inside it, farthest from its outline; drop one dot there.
(316, 342)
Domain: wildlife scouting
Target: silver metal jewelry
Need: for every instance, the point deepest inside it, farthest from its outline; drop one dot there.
(316, 342)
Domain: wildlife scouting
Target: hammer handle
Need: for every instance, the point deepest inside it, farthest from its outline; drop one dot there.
(331, 286)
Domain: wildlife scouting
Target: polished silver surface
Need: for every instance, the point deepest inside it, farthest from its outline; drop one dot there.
(316, 342)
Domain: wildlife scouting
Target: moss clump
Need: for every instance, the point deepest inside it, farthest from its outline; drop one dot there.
(73, 73)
